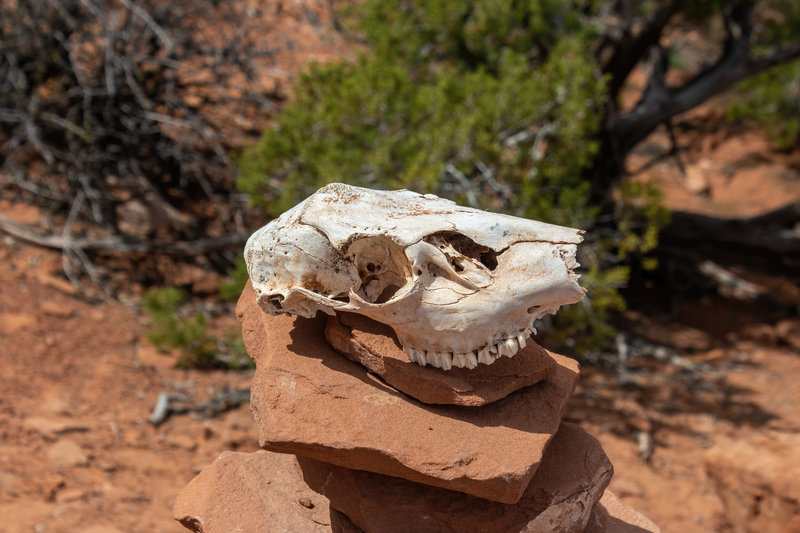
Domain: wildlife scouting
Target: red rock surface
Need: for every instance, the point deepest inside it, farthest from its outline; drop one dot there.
(574, 473)
(375, 346)
(309, 400)
(251, 493)
(610, 515)
(758, 482)
(341, 524)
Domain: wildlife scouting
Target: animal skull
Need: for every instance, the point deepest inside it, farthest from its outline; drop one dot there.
(459, 286)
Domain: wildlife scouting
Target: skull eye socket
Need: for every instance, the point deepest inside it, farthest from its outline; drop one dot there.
(382, 266)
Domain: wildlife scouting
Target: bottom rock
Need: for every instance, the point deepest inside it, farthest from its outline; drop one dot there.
(252, 493)
(573, 475)
(610, 515)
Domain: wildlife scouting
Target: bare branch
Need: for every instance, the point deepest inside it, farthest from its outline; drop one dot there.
(736, 64)
(152, 24)
(765, 241)
(118, 244)
(630, 51)
(98, 93)
(466, 188)
(729, 284)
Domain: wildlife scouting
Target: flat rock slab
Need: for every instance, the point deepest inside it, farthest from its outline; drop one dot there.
(375, 346)
(574, 473)
(309, 400)
(610, 515)
(252, 493)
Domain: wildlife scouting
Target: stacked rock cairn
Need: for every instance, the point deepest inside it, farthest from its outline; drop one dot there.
(366, 430)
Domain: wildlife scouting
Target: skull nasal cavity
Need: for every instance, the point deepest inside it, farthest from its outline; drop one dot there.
(275, 301)
(464, 246)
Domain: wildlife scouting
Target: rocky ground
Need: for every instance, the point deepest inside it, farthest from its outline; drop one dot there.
(78, 382)
(77, 385)
(703, 398)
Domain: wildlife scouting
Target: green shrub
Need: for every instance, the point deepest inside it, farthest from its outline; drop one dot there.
(170, 330)
(772, 99)
(232, 287)
(495, 104)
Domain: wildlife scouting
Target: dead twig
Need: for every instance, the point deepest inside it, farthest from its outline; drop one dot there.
(118, 244)
(169, 404)
(146, 92)
(729, 284)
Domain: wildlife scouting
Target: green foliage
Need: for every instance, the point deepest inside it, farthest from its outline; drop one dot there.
(396, 119)
(496, 104)
(640, 215)
(777, 24)
(468, 35)
(587, 325)
(170, 330)
(231, 288)
(772, 99)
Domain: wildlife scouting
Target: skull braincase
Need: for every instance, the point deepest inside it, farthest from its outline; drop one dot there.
(446, 278)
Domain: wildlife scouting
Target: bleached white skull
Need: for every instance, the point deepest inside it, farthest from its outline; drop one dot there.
(459, 286)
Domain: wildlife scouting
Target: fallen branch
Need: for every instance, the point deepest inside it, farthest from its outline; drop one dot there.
(169, 404)
(151, 100)
(728, 283)
(768, 242)
(119, 244)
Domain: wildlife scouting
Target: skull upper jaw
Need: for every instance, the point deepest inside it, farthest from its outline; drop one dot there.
(436, 314)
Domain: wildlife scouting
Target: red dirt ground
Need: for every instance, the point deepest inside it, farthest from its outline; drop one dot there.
(77, 385)
(78, 381)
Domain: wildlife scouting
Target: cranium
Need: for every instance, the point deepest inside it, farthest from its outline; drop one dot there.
(459, 286)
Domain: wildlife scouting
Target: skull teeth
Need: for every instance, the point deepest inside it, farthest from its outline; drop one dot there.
(521, 340)
(486, 355)
(509, 347)
(416, 356)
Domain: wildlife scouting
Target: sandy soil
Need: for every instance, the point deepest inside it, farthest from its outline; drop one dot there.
(77, 385)
(78, 381)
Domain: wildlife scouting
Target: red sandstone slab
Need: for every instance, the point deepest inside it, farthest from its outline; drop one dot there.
(252, 493)
(340, 523)
(311, 401)
(574, 473)
(375, 346)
